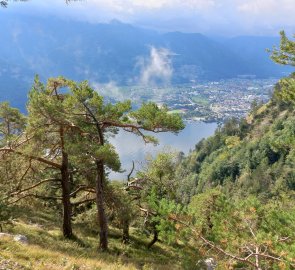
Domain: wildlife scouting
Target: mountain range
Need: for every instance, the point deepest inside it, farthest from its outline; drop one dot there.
(122, 54)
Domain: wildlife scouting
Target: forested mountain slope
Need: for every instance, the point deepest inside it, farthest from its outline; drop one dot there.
(255, 155)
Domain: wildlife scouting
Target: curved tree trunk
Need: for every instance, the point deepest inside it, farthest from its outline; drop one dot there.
(99, 187)
(102, 219)
(155, 239)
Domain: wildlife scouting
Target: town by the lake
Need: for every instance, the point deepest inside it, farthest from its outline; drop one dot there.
(204, 101)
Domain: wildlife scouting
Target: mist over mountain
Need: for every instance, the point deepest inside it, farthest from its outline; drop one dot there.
(120, 53)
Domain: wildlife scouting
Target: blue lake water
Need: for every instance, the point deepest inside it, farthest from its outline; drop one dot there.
(131, 147)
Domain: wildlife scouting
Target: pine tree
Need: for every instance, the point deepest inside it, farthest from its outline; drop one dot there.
(285, 55)
(98, 120)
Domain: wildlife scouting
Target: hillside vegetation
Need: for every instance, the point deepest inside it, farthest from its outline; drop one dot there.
(228, 205)
(251, 156)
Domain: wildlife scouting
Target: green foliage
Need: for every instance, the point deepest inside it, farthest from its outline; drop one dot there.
(161, 210)
(82, 111)
(159, 175)
(244, 180)
(108, 153)
(151, 117)
(284, 55)
(121, 207)
(88, 219)
(12, 122)
(285, 89)
(243, 227)
(5, 212)
(160, 195)
(253, 162)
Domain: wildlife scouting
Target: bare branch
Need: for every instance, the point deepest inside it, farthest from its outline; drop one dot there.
(35, 196)
(43, 160)
(36, 185)
(246, 260)
(132, 169)
(84, 201)
(83, 188)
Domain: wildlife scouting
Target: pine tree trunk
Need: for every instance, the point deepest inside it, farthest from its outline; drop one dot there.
(99, 186)
(66, 188)
(102, 219)
(67, 208)
(125, 236)
(155, 239)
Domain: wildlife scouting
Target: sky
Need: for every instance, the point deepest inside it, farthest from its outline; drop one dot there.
(211, 17)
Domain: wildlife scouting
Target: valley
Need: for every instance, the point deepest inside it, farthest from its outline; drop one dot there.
(213, 101)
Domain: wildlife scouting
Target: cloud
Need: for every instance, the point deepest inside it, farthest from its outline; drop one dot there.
(157, 68)
(222, 17)
(274, 11)
(266, 7)
(267, 16)
(110, 90)
(132, 6)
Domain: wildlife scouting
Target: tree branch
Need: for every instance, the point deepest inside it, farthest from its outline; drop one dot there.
(35, 196)
(36, 185)
(82, 188)
(222, 251)
(43, 160)
(84, 201)
(132, 169)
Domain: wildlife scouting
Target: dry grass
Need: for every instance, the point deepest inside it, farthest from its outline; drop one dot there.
(48, 250)
(33, 257)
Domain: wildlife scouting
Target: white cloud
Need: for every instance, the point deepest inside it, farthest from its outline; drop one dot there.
(157, 68)
(267, 16)
(109, 89)
(267, 7)
(222, 17)
(137, 5)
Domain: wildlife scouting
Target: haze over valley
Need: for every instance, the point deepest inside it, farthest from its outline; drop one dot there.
(113, 55)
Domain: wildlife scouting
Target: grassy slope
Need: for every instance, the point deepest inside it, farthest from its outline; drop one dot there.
(48, 250)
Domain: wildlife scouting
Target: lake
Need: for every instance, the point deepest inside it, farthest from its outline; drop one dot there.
(131, 147)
